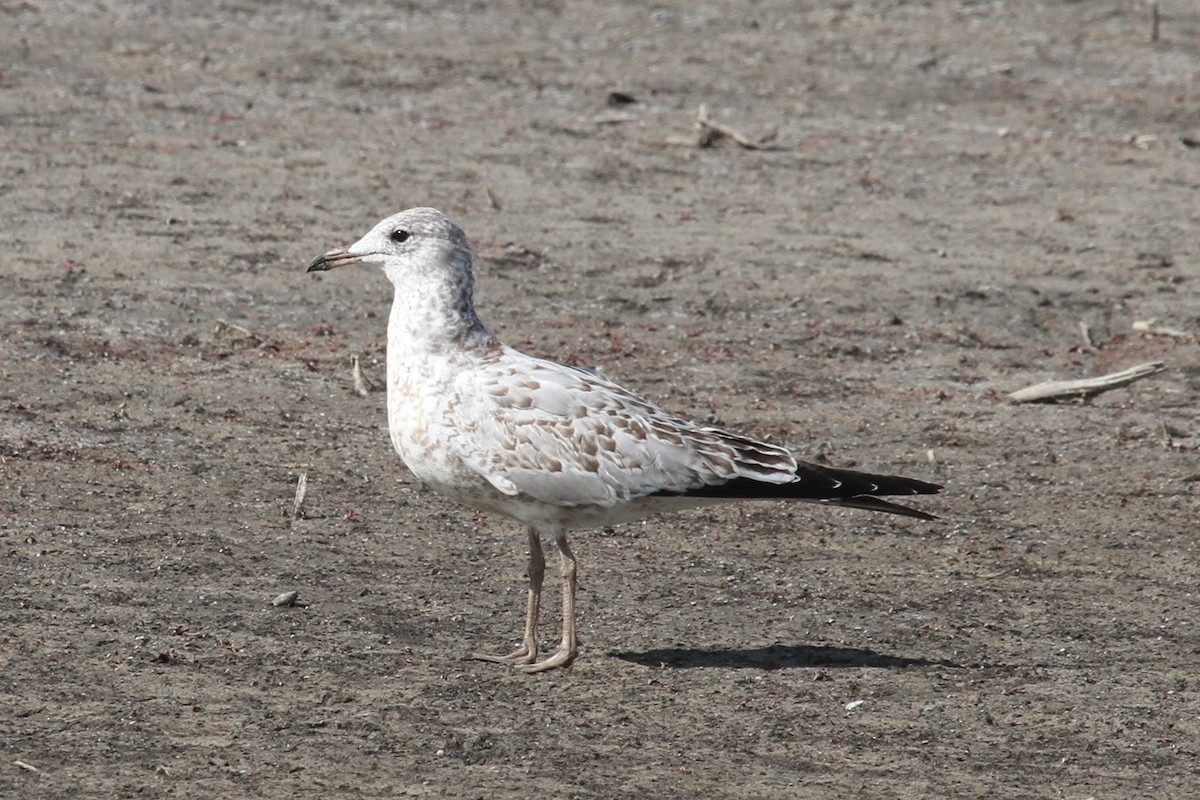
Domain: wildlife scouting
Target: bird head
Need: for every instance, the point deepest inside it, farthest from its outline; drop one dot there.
(416, 236)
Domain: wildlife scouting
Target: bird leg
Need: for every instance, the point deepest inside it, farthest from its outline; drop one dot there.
(568, 649)
(527, 652)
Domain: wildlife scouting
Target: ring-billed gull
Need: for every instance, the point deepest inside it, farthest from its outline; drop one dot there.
(552, 446)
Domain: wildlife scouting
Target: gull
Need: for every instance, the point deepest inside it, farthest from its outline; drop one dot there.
(551, 446)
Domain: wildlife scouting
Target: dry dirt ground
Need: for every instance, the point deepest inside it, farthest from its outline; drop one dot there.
(949, 190)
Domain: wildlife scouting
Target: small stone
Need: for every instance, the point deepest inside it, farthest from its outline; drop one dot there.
(286, 600)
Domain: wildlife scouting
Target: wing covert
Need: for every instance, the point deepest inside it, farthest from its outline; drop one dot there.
(569, 437)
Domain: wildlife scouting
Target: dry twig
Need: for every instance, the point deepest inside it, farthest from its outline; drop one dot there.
(1150, 327)
(361, 385)
(225, 325)
(711, 131)
(301, 488)
(1085, 331)
(236, 333)
(1085, 387)
(491, 196)
(615, 119)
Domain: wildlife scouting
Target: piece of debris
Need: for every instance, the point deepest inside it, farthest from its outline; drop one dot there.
(301, 488)
(236, 333)
(707, 127)
(1085, 331)
(491, 196)
(286, 600)
(27, 767)
(1173, 437)
(853, 704)
(709, 132)
(615, 98)
(1150, 327)
(225, 326)
(615, 118)
(1050, 391)
(361, 385)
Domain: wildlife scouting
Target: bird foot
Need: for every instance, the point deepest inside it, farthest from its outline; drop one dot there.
(520, 657)
(563, 657)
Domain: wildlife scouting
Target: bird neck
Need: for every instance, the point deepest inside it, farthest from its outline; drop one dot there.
(434, 315)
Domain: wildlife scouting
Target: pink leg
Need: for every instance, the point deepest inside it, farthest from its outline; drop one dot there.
(568, 649)
(536, 570)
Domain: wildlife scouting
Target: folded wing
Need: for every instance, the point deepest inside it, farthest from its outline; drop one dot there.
(569, 437)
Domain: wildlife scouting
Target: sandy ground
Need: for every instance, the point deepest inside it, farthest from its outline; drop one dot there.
(950, 190)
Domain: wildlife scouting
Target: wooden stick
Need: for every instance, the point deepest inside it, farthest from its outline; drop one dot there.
(1086, 387)
(711, 131)
(236, 333)
(1150, 327)
(361, 386)
(1085, 331)
(491, 196)
(301, 488)
(224, 325)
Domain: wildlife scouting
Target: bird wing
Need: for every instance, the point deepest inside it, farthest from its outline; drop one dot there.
(570, 437)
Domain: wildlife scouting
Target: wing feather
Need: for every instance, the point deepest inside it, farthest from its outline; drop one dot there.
(570, 437)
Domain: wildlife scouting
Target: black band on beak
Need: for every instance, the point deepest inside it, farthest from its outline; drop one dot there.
(334, 258)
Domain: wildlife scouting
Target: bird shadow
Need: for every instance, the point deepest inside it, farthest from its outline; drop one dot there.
(776, 656)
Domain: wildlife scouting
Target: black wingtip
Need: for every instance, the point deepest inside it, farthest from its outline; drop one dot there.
(827, 485)
(868, 503)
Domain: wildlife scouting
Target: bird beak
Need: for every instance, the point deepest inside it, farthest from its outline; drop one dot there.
(334, 258)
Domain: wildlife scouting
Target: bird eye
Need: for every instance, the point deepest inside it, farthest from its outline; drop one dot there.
(400, 235)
